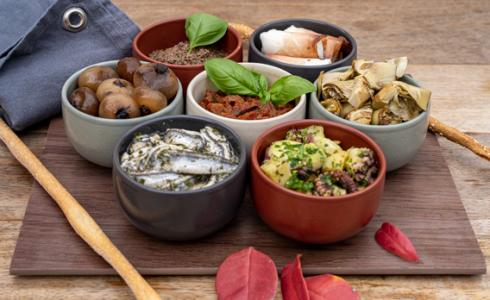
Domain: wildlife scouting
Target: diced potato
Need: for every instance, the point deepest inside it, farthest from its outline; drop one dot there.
(278, 150)
(335, 162)
(314, 157)
(276, 170)
(315, 131)
(328, 146)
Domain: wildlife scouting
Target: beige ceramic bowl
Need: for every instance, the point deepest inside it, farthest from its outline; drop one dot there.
(248, 130)
(94, 138)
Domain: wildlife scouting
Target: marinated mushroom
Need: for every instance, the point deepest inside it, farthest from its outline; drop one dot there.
(119, 106)
(114, 86)
(84, 100)
(149, 100)
(127, 66)
(157, 77)
(94, 76)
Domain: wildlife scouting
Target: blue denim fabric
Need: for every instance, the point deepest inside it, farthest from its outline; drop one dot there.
(38, 54)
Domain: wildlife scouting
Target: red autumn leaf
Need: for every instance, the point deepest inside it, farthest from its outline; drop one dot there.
(393, 240)
(293, 284)
(247, 274)
(330, 287)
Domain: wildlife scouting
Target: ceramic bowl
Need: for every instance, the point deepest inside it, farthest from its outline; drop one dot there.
(180, 216)
(314, 219)
(248, 130)
(166, 34)
(94, 138)
(309, 72)
(400, 142)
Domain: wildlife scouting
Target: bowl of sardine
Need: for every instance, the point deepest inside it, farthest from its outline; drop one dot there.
(180, 177)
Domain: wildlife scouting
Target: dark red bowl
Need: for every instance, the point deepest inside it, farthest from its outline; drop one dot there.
(314, 219)
(166, 34)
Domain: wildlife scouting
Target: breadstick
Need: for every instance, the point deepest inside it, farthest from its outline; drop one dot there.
(83, 224)
(244, 30)
(458, 137)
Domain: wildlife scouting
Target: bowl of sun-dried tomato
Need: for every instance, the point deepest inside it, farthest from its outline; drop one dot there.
(248, 97)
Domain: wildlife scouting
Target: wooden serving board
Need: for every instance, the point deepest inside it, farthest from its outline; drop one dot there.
(420, 198)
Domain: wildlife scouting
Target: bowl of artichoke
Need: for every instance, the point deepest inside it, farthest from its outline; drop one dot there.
(379, 99)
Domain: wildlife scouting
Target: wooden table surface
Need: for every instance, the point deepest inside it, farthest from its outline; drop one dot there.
(448, 44)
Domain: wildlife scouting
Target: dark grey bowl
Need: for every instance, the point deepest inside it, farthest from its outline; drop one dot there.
(308, 72)
(180, 216)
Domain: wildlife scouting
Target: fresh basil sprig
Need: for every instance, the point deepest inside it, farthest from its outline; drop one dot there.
(233, 78)
(204, 29)
(288, 88)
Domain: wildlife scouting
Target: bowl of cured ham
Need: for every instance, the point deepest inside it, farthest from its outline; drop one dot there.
(302, 47)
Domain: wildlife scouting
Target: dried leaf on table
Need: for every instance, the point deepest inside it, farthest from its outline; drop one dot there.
(247, 274)
(293, 284)
(330, 287)
(393, 240)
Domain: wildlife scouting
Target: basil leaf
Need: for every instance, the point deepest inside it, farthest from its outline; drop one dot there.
(262, 80)
(288, 88)
(234, 79)
(265, 97)
(204, 29)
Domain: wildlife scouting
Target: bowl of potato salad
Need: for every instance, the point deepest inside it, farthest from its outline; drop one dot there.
(316, 181)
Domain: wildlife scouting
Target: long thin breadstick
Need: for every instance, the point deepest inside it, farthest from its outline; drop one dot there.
(458, 137)
(79, 219)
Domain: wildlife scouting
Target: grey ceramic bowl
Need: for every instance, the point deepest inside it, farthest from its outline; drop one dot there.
(399, 142)
(308, 72)
(180, 216)
(94, 138)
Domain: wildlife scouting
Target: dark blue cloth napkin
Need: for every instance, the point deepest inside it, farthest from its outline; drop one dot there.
(38, 53)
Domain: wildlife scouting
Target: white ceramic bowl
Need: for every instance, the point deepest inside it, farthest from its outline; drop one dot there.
(248, 130)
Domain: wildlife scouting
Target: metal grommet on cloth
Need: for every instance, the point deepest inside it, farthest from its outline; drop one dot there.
(74, 19)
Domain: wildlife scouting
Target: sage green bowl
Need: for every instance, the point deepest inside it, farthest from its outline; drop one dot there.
(94, 138)
(400, 142)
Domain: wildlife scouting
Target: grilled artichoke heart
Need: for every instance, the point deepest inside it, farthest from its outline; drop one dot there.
(346, 109)
(332, 105)
(340, 90)
(384, 116)
(362, 115)
(385, 95)
(370, 93)
(360, 92)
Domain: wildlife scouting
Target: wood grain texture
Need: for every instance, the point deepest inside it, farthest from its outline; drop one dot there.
(447, 23)
(439, 228)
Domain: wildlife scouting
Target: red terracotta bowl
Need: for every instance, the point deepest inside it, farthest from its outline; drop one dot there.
(314, 219)
(169, 33)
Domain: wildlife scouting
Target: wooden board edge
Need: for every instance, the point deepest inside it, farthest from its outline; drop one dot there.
(212, 272)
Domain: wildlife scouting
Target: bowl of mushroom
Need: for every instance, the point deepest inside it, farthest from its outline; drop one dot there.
(103, 101)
